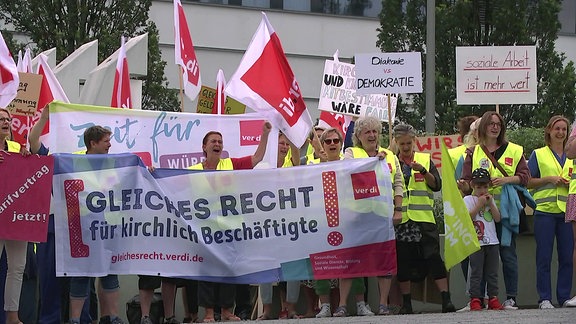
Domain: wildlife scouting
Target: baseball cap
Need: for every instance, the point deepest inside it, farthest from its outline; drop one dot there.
(480, 175)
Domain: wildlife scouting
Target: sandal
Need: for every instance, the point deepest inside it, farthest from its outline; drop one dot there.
(209, 320)
(283, 315)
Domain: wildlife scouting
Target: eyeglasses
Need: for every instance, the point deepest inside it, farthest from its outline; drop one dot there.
(492, 124)
(330, 141)
(5, 119)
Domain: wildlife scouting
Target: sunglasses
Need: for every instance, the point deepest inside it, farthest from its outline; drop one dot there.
(330, 141)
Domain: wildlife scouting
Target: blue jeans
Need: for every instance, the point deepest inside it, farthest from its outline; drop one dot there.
(548, 226)
(509, 263)
(80, 286)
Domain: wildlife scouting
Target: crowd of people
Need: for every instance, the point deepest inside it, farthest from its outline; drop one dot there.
(492, 174)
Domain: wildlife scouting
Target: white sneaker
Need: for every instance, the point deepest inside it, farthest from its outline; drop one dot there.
(363, 310)
(464, 309)
(545, 304)
(325, 311)
(509, 304)
(570, 302)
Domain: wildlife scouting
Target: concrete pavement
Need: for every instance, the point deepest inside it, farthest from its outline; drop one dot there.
(529, 316)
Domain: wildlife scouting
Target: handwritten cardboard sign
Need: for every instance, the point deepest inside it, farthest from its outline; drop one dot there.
(389, 73)
(496, 75)
(433, 146)
(206, 102)
(338, 94)
(26, 101)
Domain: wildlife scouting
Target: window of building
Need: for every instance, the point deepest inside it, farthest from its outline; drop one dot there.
(567, 17)
(358, 8)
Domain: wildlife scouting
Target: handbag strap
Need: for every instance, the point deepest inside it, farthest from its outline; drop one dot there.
(493, 160)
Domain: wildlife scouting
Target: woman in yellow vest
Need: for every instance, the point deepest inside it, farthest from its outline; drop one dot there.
(366, 141)
(331, 140)
(212, 147)
(417, 238)
(492, 139)
(551, 172)
(15, 250)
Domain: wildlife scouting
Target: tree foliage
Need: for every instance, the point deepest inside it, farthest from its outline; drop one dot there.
(481, 23)
(68, 24)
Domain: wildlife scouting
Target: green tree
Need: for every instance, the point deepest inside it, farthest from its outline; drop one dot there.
(68, 24)
(481, 23)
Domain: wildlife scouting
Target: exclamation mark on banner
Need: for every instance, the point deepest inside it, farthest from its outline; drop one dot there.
(77, 247)
(335, 238)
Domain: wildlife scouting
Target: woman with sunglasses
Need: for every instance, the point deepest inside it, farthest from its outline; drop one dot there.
(331, 141)
(15, 250)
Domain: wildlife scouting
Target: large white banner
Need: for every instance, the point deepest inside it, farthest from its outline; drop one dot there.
(162, 139)
(338, 94)
(332, 220)
(389, 72)
(496, 75)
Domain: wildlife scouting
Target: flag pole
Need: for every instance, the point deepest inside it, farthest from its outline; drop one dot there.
(389, 120)
(498, 108)
(180, 72)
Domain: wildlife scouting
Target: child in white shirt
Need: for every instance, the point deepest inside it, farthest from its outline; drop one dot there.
(485, 262)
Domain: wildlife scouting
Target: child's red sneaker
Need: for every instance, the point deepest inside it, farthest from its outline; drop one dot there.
(494, 304)
(475, 304)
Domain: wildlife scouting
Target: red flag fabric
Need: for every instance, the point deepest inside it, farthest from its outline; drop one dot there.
(9, 79)
(338, 121)
(265, 82)
(185, 55)
(220, 100)
(121, 96)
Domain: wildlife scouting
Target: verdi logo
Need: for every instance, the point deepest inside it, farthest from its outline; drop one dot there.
(364, 185)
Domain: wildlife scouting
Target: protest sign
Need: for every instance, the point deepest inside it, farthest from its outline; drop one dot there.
(114, 216)
(388, 73)
(206, 102)
(433, 146)
(163, 139)
(496, 75)
(338, 94)
(25, 197)
(26, 101)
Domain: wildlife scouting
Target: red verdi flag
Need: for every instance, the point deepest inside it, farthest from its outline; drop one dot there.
(9, 79)
(265, 82)
(121, 96)
(185, 54)
(338, 121)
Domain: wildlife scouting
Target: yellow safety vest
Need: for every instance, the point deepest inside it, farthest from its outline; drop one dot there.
(13, 147)
(223, 164)
(551, 198)
(509, 161)
(361, 153)
(457, 153)
(419, 206)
